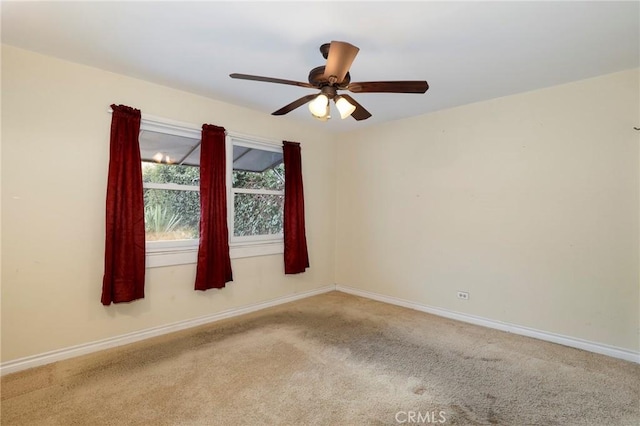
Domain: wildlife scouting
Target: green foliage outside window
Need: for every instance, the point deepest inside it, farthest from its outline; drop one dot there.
(171, 215)
(175, 215)
(272, 179)
(258, 214)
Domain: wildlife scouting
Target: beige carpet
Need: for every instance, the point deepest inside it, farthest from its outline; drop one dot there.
(333, 359)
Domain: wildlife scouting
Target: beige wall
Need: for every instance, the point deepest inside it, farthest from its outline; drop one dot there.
(55, 139)
(528, 202)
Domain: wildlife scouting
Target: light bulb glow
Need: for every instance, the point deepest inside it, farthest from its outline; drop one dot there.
(326, 116)
(344, 106)
(319, 107)
(161, 157)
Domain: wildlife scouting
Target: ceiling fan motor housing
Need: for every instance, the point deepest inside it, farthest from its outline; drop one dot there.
(316, 79)
(329, 91)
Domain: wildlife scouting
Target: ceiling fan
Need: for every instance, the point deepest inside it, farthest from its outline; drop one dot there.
(335, 76)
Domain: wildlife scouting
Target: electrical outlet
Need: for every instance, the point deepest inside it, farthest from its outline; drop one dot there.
(464, 295)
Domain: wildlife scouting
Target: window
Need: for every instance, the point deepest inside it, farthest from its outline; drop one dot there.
(257, 192)
(170, 154)
(171, 201)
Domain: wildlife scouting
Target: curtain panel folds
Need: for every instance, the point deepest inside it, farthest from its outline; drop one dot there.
(214, 263)
(296, 257)
(124, 258)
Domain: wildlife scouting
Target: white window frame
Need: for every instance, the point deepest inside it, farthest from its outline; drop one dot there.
(178, 252)
(182, 252)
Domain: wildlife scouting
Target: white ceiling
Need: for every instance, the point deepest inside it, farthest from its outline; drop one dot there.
(467, 51)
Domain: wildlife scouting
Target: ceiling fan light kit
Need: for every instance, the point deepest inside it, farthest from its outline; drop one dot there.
(335, 76)
(319, 107)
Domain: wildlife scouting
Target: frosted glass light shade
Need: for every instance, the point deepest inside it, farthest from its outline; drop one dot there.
(319, 106)
(344, 106)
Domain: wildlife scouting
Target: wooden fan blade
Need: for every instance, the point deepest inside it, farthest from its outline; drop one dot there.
(295, 104)
(271, 80)
(389, 87)
(360, 113)
(341, 56)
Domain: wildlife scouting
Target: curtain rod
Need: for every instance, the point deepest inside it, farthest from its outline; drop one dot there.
(166, 121)
(191, 126)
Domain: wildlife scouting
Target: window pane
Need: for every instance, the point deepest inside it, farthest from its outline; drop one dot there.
(257, 214)
(255, 159)
(171, 215)
(155, 146)
(170, 173)
(269, 179)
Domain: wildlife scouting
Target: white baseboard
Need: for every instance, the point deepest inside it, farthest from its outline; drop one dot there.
(86, 348)
(573, 342)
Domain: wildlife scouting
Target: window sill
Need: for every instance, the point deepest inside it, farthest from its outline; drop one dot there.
(185, 254)
(240, 250)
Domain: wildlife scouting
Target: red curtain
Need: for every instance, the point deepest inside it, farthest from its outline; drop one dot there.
(296, 257)
(124, 244)
(214, 263)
